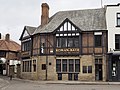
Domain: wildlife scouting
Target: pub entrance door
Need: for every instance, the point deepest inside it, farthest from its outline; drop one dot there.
(98, 69)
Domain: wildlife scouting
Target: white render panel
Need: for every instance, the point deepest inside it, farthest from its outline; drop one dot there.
(111, 19)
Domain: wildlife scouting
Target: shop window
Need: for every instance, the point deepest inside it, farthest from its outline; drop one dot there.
(64, 65)
(43, 66)
(27, 66)
(77, 65)
(71, 65)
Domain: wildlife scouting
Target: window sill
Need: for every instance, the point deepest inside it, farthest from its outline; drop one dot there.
(68, 72)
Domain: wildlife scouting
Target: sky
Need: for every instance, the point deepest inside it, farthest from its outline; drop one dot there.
(15, 14)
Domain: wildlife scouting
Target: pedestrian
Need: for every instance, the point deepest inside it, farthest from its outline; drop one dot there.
(10, 77)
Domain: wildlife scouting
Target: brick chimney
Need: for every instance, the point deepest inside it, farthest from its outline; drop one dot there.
(7, 37)
(45, 14)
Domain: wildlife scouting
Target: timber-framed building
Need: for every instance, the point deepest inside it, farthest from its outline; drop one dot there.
(70, 45)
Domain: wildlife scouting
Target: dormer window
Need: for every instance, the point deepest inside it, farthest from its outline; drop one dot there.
(118, 19)
(67, 36)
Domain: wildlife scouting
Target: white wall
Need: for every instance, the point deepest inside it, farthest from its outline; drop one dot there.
(111, 19)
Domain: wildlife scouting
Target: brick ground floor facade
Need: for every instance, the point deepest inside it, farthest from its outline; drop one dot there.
(82, 68)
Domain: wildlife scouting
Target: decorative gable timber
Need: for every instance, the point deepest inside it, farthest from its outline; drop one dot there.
(67, 26)
(25, 34)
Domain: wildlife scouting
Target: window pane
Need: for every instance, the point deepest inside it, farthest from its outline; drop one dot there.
(59, 76)
(89, 69)
(77, 65)
(64, 42)
(26, 46)
(118, 15)
(70, 42)
(84, 69)
(70, 76)
(2, 54)
(118, 22)
(34, 68)
(100, 61)
(43, 66)
(58, 42)
(71, 65)
(64, 65)
(98, 40)
(117, 41)
(96, 61)
(76, 42)
(76, 76)
(58, 65)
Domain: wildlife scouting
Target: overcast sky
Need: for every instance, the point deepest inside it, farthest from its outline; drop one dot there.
(15, 14)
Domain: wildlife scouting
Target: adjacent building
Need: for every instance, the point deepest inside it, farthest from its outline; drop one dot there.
(70, 45)
(113, 26)
(9, 54)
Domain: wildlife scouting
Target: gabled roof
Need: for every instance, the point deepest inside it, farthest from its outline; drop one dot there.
(30, 30)
(86, 20)
(9, 46)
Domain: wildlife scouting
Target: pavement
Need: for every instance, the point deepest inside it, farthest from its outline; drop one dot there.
(5, 81)
(71, 82)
